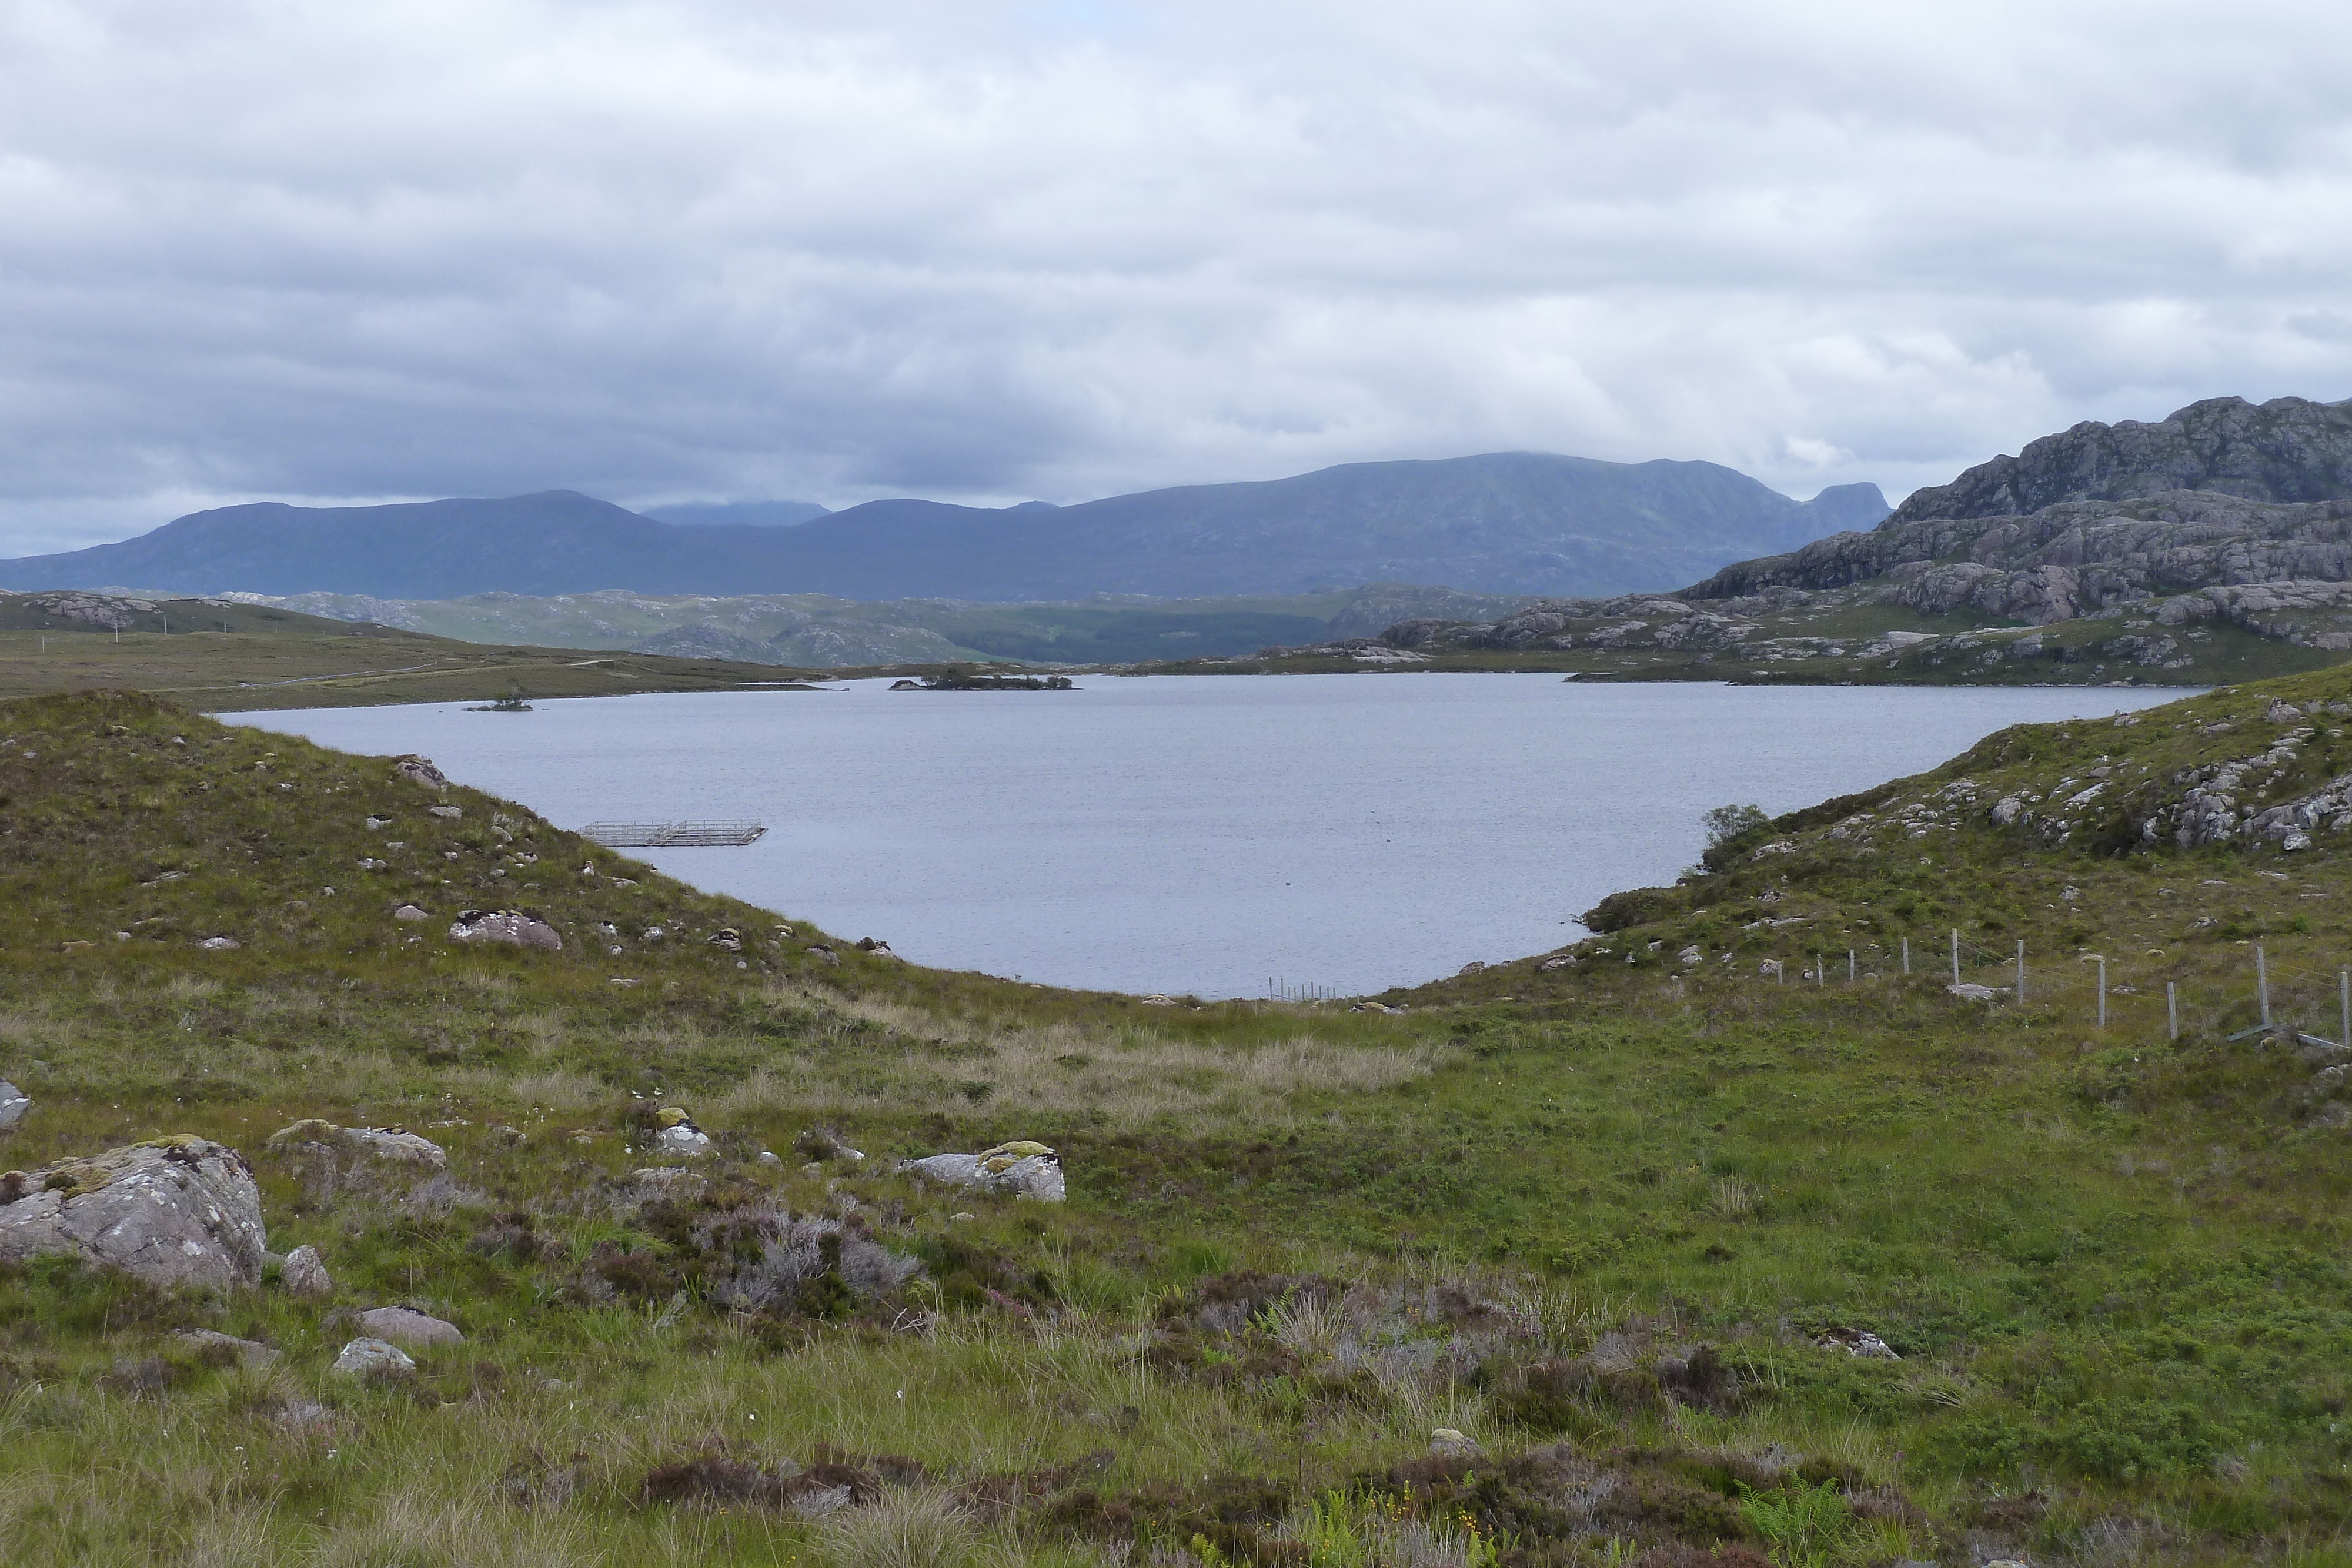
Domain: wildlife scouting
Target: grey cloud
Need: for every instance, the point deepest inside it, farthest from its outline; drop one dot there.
(981, 251)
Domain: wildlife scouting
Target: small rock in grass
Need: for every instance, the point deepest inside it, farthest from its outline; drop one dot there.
(373, 1358)
(1447, 1443)
(305, 1274)
(14, 1103)
(246, 1351)
(404, 1325)
(450, 813)
(410, 911)
(219, 944)
(769, 1157)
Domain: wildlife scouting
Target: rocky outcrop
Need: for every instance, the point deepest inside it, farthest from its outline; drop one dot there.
(176, 1211)
(1022, 1168)
(358, 1146)
(2288, 449)
(420, 771)
(507, 926)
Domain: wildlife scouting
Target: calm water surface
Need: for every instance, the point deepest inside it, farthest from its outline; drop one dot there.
(1202, 834)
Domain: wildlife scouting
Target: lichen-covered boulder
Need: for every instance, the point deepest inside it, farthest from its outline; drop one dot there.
(506, 926)
(1024, 1168)
(372, 1358)
(675, 1133)
(180, 1210)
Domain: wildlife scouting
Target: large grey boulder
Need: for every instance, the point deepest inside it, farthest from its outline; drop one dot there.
(1022, 1168)
(404, 1326)
(14, 1103)
(507, 926)
(180, 1210)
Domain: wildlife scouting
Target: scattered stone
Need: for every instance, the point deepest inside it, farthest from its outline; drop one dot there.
(727, 939)
(410, 911)
(373, 1358)
(420, 771)
(377, 824)
(2069, 894)
(1690, 955)
(1372, 1007)
(769, 1157)
(247, 1352)
(507, 926)
(1447, 1443)
(218, 944)
(14, 1103)
(1472, 967)
(1023, 1167)
(512, 1137)
(372, 864)
(1557, 961)
(448, 813)
(404, 1325)
(2293, 841)
(178, 1210)
(823, 954)
(1969, 990)
(305, 1274)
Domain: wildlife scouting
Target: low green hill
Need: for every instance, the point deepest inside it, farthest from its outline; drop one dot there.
(1623, 1224)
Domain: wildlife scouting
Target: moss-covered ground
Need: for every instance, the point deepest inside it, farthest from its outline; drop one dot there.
(1617, 1223)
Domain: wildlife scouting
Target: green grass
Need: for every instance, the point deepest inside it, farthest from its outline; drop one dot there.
(1600, 1219)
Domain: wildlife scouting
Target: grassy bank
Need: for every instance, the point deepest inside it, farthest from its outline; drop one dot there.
(1616, 1222)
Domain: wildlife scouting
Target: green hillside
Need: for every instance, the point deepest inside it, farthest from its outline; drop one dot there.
(1619, 1223)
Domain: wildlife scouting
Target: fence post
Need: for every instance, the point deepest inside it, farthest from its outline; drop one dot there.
(2021, 971)
(2343, 996)
(1820, 976)
(2102, 993)
(2262, 983)
(1849, 966)
(1907, 955)
(1956, 957)
(2171, 1009)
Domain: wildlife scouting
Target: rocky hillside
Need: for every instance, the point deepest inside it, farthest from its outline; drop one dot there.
(2225, 517)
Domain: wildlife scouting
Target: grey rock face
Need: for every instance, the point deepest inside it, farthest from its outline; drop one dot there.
(14, 1103)
(172, 1211)
(372, 1358)
(2288, 449)
(507, 926)
(402, 1325)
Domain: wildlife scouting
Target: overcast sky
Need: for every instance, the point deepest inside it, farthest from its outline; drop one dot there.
(337, 249)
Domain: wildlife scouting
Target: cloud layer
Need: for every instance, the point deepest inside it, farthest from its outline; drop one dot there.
(990, 250)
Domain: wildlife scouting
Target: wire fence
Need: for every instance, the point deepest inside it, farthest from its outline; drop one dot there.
(2238, 991)
(1300, 991)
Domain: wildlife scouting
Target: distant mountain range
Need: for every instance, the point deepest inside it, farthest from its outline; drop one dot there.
(1509, 523)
